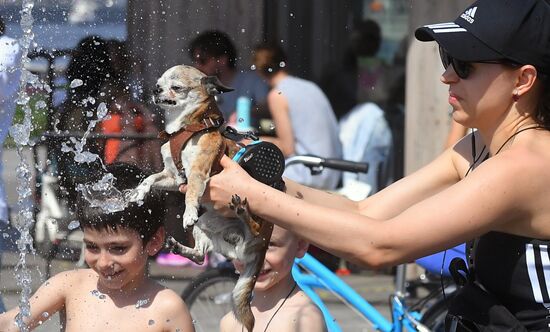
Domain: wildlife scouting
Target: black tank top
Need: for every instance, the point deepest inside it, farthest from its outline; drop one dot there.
(516, 270)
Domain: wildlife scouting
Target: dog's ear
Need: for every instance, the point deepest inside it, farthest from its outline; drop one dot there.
(213, 85)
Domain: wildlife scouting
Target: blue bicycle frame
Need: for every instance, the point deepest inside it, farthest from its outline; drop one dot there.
(308, 282)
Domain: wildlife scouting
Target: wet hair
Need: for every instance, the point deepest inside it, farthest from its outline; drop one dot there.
(542, 114)
(145, 219)
(269, 58)
(213, 44)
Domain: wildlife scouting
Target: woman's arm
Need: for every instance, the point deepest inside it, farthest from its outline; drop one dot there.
(48, 299)
(429, 205)
(278, 107)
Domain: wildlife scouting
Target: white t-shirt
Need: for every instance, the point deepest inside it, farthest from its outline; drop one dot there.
(10, 58)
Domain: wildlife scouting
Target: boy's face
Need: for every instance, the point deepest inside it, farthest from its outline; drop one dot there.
(119, 257)
(283, 248)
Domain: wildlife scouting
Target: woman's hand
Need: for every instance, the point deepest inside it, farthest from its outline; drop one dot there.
(221, 187)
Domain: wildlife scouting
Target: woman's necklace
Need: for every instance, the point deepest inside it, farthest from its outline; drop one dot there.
(514, 135)
(279, 308)
(476, 159)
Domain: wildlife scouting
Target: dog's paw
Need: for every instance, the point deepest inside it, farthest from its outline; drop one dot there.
(238, 206)
(190, 217)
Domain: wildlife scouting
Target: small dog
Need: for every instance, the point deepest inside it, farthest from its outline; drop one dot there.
(190, 156)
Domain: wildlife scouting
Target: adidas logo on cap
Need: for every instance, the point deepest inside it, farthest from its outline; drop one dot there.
(469, 15)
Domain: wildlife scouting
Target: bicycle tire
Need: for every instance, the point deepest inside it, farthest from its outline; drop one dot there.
(208, 297)
(434, 317)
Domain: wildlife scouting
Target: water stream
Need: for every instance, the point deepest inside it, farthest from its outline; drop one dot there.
(21, 135)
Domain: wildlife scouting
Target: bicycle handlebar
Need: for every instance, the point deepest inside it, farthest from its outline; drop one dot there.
(312, 162)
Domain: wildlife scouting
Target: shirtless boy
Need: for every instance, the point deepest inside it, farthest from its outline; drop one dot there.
(115, 293)
(278, 303)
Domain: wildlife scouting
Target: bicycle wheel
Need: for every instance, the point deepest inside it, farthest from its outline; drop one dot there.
(434, 317)
(208, 297)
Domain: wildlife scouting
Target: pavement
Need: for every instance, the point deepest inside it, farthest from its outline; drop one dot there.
(375, 287)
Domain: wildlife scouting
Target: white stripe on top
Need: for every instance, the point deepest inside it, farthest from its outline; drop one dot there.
(532, 271)
(449, 30)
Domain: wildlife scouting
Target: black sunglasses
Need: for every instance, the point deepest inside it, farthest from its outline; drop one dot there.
(464, 68)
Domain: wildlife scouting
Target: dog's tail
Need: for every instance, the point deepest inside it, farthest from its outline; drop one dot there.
(242, 293)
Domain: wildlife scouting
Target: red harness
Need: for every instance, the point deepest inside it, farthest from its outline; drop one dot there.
(212, 119)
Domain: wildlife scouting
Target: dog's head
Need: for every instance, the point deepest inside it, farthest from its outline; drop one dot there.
(183, 85)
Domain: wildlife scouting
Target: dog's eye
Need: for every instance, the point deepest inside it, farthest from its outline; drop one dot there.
(177, 88)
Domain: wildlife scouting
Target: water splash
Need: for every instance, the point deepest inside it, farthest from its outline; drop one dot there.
(104, 194)
(21, 135)
(142, 303)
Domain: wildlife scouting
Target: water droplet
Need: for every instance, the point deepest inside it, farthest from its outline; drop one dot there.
(76, 83)
(253, 67)
(282, 64)
(102, 297)
(151, 322)
(240, 120)
(141, 303)
(45, 314)
(270, 70)
(73, 225)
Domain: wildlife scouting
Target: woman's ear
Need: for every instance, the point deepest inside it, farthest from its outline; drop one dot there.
(156, 243)
(526, 79)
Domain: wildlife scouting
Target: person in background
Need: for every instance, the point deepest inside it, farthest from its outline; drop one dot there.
(10, 58)
(303, 118)
(360, 76)
(213, 53)
(127, 116)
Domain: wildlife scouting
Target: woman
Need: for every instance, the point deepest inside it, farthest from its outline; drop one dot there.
(496, 190)
(303, 118)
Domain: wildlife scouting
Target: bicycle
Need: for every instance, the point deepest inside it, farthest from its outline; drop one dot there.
(209, 294)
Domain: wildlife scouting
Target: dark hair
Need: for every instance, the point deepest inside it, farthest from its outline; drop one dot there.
(90, 63)
(542, 115)
(366, 38)
(213, 44)
(269, 58)
(2, 26)
(145, 219)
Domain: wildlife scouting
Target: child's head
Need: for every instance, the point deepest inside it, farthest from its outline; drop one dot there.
(118, 244)
(284, 246)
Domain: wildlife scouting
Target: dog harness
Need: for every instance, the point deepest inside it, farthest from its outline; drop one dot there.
(212, 118)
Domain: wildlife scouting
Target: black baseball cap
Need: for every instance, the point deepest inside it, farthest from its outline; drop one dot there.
(517, 30)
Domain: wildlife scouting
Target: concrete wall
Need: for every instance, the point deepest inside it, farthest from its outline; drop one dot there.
(427, 120)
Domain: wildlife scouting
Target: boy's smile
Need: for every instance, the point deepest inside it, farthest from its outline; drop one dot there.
(118, 257)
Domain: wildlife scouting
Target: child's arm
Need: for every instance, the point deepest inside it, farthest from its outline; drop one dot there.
(48, 299)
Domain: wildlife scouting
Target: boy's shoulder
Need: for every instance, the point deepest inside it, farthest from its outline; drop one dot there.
(166, 299)
(73, 279)
(301, 314)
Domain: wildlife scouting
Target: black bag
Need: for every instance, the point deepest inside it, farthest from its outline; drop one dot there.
(473, 309)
